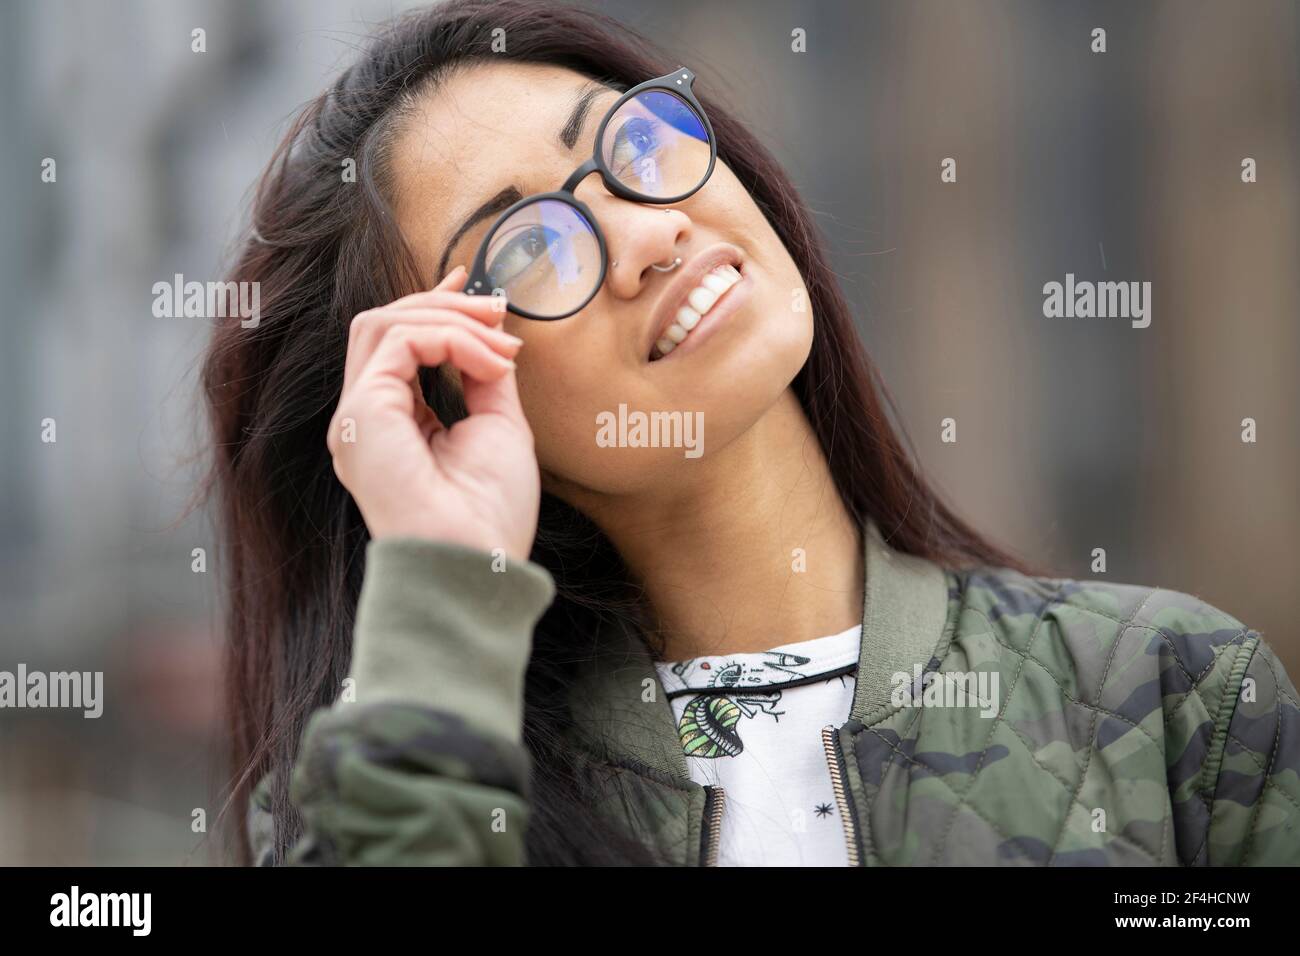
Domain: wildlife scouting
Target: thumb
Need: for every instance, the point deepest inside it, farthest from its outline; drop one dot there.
(500, 396)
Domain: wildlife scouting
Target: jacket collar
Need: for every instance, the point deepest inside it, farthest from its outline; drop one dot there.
(904, 610)
(622, 714)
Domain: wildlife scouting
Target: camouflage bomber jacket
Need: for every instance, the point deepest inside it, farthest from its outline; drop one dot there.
(1132, 726)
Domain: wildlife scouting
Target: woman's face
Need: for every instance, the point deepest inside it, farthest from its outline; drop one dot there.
(495, 126)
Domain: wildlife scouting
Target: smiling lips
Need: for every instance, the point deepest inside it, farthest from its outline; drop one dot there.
(698, 303)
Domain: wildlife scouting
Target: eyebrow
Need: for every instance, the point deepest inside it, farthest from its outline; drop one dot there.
(568, 138)
(497, 204)
(578, 118)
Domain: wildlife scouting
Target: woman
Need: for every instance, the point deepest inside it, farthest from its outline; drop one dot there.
(493, 597)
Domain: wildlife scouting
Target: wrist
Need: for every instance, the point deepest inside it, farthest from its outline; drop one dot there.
(444, 532)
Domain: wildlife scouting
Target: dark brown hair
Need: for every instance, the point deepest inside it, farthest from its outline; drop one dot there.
(324, 250)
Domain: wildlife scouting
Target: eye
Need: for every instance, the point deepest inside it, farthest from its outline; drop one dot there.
(636, 139)
(520, 253)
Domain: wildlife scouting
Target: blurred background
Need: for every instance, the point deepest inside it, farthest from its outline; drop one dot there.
(1072, 434)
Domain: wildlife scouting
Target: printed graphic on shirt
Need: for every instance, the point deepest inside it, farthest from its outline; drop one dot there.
(709, 726)
(765, 669)
(765, 712)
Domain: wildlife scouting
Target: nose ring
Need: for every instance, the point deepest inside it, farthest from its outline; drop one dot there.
(668, 268)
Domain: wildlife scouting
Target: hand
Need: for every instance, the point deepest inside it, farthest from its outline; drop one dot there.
(475, 483)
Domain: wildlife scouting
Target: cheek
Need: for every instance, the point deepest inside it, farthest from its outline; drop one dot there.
(566, 393)
(562, 388)
(565, 398)
(726, 205)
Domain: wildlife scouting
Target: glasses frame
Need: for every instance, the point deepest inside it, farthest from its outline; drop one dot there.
(678, 82)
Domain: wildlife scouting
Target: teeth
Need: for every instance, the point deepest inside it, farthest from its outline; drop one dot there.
(716, 283)
(700, 301)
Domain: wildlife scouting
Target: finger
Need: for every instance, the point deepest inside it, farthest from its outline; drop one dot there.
(425, 416)
(427, 421)
(455, 279)
(486, 308)
(498, 396)
(369, 329)
(379, 320)
(404, 349)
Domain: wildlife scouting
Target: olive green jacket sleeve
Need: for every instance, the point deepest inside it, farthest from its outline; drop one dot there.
(420, 761)
(1255, 807)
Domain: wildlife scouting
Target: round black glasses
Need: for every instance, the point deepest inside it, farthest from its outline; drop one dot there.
(546, 253)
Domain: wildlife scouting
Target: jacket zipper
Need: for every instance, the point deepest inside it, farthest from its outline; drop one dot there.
(715, 798)
(841, 800)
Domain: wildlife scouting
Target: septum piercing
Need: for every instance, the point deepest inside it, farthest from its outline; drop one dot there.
(655, 265)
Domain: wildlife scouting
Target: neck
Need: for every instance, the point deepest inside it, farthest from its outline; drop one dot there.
(754, 550)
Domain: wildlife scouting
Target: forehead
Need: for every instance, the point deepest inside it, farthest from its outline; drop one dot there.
(485, 127)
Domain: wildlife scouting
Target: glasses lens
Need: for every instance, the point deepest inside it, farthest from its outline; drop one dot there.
(546, 258)
(657, 145)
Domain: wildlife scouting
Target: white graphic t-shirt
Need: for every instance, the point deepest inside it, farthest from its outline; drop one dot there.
(751, 724)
